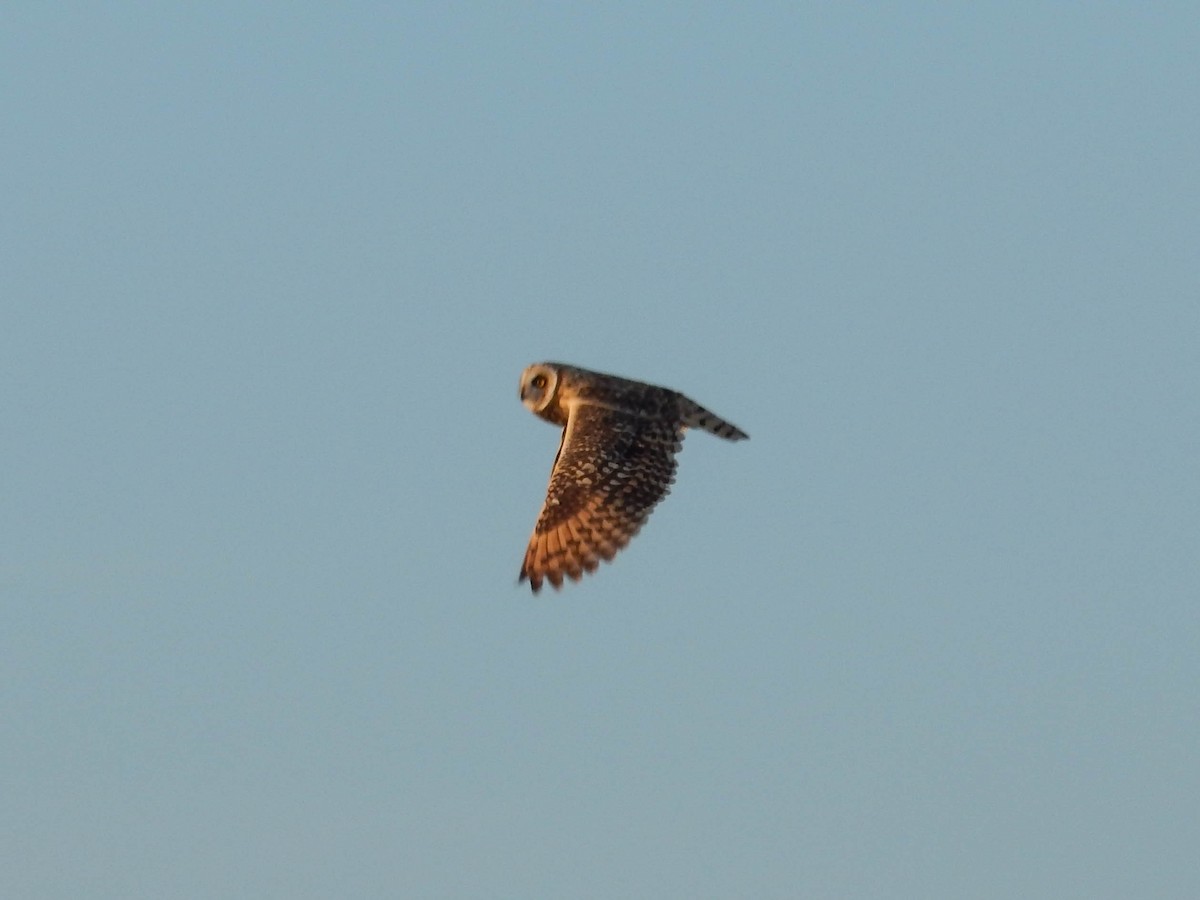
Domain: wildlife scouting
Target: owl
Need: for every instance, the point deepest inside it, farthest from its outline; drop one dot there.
(615, 462)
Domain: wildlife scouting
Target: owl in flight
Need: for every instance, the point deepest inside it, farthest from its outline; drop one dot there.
(615, 462)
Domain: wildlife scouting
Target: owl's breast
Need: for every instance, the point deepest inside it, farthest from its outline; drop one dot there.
(555, 413)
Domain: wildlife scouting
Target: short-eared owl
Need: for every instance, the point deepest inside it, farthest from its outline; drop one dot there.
(615, 462)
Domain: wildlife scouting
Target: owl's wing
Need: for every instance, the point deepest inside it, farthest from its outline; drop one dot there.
(611, 470)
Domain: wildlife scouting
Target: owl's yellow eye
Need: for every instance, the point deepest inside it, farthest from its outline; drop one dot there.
(539, 381)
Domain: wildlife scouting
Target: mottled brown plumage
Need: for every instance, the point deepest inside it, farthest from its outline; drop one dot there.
(616, 461)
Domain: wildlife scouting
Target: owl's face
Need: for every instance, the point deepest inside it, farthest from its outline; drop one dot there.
(539, 387)
(538, 384)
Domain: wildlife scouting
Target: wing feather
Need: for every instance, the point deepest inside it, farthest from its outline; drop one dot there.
(612, 469)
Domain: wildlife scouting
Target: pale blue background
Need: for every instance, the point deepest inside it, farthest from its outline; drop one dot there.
(269, 276)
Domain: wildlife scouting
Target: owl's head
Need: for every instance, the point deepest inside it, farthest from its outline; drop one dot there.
(539, 383)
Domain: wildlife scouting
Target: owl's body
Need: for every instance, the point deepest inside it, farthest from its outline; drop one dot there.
(616, 461)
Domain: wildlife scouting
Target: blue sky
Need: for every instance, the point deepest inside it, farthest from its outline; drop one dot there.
(269, 277)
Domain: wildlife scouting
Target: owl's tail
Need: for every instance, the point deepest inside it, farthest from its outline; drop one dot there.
(696, 416)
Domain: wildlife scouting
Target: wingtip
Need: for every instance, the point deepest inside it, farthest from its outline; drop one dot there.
(535, 581)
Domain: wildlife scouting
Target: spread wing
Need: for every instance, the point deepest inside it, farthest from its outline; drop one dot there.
(611, 470)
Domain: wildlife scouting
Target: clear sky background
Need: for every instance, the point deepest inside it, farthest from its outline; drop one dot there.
(268, 278)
